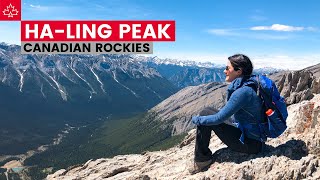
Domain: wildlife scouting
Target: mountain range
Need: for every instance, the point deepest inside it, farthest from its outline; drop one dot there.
(42, 93)
(183, 73)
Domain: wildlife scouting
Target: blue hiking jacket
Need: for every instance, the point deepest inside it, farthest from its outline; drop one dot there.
(245, 106)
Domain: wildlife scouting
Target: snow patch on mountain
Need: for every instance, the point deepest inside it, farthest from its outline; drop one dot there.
(178, 62)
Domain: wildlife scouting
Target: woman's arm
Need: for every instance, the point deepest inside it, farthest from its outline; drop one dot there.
(238, 99)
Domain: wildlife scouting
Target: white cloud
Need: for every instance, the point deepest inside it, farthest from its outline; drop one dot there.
(277, 27)
(246, 34)
(39, 7)
(243, 32)
(222, 32)
(35, 6)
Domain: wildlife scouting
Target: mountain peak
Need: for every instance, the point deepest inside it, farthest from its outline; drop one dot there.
(178, 62)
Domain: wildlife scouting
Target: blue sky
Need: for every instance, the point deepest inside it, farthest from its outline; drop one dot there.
(283, 34)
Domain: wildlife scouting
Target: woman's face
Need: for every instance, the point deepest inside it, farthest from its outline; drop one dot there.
(231, 73)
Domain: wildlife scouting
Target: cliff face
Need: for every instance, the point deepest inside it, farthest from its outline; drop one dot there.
(297, 86)
(295, 155)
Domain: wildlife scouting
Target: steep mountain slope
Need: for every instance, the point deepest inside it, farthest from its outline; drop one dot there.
(183, 76)
(41, 93)
(295, 155)
(177, 110)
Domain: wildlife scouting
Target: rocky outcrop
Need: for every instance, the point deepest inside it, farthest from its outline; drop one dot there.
(294, 155)
(297, 86)
(314, 69)
(315, 86)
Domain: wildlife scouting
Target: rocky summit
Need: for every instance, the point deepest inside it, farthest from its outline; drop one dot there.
(294, 155)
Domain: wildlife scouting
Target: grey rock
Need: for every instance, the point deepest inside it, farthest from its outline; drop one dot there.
(296, 86)
(315, 86)
(315, 70)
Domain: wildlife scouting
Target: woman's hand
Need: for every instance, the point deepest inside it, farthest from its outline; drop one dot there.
(196, 120)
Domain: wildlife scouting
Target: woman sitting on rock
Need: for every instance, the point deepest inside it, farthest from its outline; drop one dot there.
(245, 106)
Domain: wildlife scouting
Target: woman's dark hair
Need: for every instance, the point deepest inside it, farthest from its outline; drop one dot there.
(240, 61)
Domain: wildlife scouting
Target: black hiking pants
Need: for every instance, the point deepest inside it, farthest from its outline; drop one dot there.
(228, 134)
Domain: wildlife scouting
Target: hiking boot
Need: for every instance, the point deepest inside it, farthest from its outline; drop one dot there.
(196, 167)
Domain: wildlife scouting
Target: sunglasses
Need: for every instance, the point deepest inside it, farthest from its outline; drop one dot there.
(236, 69)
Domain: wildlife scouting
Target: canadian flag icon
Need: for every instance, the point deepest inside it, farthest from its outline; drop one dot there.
(10, 10)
